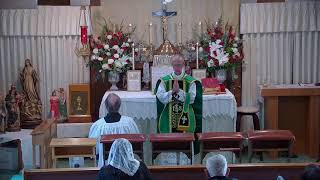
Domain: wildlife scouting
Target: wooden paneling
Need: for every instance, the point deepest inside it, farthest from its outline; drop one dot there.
(296, 109)
(294, 116)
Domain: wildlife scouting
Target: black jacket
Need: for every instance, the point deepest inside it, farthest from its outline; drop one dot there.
(111, 173)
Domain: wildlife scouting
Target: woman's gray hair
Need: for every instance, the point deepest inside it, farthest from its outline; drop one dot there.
(113, 103)
(217, 165)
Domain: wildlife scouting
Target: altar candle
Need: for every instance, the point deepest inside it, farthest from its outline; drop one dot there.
(114, 28)
(150, 33)
(130, 28)
(200, 28)
(179, 34)
(132, 56)
(197, 58)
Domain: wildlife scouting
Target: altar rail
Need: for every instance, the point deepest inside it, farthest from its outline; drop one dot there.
(265, 171)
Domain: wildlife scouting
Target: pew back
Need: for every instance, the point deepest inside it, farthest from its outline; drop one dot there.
(265, 171)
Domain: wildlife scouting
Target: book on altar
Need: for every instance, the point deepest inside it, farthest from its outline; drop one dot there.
(212, 86)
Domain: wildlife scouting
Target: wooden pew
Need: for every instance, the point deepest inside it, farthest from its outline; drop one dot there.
(41, 137)
(267, 171)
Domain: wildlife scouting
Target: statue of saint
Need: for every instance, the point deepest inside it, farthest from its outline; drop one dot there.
(62, 104)
(31, 108)
(12, 104)
(54, 105)
(3, 115)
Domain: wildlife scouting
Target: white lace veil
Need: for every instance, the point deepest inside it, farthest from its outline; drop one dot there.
(121, 157)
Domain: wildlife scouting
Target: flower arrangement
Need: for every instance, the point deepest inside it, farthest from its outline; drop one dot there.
(111, 51)
(219, 48)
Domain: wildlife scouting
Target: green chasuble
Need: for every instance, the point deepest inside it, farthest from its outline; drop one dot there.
(179, 116)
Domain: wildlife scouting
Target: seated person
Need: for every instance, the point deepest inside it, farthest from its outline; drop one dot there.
(122, 164)
(311, 172)
(179, 100)
(217, 167)
(113, 123)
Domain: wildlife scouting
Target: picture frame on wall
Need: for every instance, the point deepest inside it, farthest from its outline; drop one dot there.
(79, 103)
(134, 80)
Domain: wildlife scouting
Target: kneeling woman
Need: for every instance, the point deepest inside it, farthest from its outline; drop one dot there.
(122, 164)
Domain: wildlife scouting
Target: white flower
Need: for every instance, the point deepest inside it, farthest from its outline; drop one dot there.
(236, 39)
(237, 54)
(110, 61)
(214, 46)
(115, 47)
(123, 45)
(235, 50)
(124, 59)
(120, 51)
(118, 64)
(193, 48)
(127, 44)
(235, 45)
(200, 49)
(100, 58)
(129, 40)
(210, 63)
(100, 70)
(221, 56)
(109, 37)
(136, 49)
(106, 66)
(108, 54)
(93, 57)
(106, 46)
(95, 51)
(116, 55)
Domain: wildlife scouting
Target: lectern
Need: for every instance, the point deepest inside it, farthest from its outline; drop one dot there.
(296, 109)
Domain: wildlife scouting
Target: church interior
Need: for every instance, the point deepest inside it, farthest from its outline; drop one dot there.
(248, 86)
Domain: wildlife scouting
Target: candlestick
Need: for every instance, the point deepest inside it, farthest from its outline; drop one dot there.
(150, 33)
(132, 56)
(197, 58)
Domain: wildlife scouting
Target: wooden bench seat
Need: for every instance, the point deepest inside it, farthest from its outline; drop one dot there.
(172, 142)
(136, 140)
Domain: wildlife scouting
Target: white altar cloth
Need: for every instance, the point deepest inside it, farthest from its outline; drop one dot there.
(219, 111)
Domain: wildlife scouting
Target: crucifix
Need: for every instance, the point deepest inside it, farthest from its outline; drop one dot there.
(164, 15)
(166, 48)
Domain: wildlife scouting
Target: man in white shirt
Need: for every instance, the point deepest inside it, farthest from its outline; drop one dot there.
(113, 123)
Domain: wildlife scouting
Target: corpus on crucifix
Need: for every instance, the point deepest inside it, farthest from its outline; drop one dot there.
(166, 48)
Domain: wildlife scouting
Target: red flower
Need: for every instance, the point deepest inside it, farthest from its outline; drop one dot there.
(216, 63)
(99, 46)
(215, 53)
(207, 49)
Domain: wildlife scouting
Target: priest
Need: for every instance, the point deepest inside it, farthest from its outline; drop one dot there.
(179, 100)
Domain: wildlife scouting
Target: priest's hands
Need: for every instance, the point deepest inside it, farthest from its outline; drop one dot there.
(175, 88)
